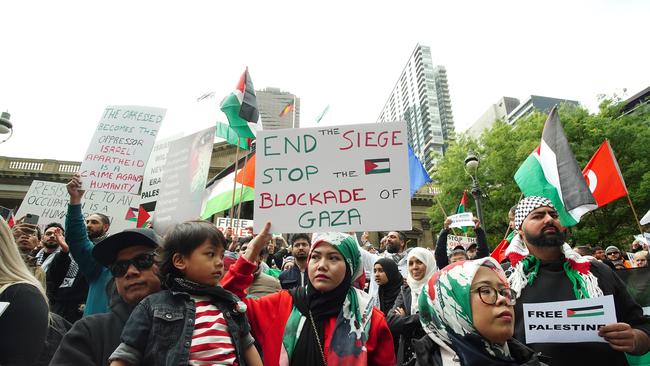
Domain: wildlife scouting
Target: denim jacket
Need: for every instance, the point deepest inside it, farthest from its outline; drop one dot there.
(159, 331)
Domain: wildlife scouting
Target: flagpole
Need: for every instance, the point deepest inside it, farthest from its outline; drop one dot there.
(635, 215)
(443, 211)
(241, 189)
(293, 123)
(234, 182)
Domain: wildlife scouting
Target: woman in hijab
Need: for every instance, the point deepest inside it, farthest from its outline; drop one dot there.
(329, 322)
(390, 283)
(467, 312)
(403, 318)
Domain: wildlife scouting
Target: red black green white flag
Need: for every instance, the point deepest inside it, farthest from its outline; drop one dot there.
(551, 171)
(377, 166)
(461, 208)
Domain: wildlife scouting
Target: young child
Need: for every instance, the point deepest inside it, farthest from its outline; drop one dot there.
(194, 321)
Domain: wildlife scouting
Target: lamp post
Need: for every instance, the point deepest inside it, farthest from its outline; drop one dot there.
(471, 168)
(5, 126)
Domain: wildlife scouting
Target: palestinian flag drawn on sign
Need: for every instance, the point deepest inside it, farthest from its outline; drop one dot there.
(143, 216)
(585, 311)
(551, 171)
(377, 166)
(131, 214)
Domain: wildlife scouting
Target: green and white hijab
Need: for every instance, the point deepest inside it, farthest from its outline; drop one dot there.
(347, 346)
(446, 310)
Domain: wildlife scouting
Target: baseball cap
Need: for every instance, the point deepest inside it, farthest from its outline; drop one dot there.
(105, 252)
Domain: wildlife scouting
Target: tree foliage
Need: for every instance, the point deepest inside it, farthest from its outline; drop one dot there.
(503, 148)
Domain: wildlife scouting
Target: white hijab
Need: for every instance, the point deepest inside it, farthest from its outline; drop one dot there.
(425, 256)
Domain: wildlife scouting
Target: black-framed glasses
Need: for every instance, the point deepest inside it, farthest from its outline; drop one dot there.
(140, 262)
(489, 295)
(612, 253)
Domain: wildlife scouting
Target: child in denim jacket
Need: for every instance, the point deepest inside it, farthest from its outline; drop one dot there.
(194, 321)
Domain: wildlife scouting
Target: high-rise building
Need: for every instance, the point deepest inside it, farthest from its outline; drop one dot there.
(536, 103)
(421, 98)
(271, 103)
(498, 110)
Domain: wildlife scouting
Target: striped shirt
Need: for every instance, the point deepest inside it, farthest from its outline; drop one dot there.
(211, 341)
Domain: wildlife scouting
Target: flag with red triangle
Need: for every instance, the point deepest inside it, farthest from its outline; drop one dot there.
(143, 217)
(604, 177)
(131, 214)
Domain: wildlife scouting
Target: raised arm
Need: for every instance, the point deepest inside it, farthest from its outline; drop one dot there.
(442, 260)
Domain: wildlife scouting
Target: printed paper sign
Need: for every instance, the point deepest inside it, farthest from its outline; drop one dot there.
(240, 228)
(345, 178)
(49, 200)
(119, 150)
(183, 180)
(461, 219)
(572, 321)
(453, 241)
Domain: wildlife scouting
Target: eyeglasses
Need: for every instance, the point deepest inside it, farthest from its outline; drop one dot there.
(489, 295)
(140, 262)
(612, 253)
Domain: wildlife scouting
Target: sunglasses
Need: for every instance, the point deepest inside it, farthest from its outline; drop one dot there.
(140, 262)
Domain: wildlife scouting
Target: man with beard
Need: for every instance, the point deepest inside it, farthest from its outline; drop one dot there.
(49, 246)
(616, 258)
(297, 275)
(543, 268)
(81, 237)
(395, 249)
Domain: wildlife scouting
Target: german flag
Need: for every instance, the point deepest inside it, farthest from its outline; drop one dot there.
(287, 109)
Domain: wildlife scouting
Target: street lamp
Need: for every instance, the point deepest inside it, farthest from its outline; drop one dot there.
(471, 168)
(5, 126)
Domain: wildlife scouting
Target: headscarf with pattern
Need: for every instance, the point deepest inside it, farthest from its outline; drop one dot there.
(446, 310)
(347, 346)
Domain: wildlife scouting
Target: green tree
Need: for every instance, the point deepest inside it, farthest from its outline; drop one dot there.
(503, 148)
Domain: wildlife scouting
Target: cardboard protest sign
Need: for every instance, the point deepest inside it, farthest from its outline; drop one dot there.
(573, 321)
(453, 241)
(346, 178)
(118, 152)
(49, 200)
(240, 227)
(183, 180)
(461, 219)
(152, 179)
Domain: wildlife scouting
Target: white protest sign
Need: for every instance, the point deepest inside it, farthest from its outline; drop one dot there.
(49, 200)
(240, 227)
(119, 150)
(573, 321)
(453, 241)
(345, 178)
(645, 219)
(183, 180)
(461, 219)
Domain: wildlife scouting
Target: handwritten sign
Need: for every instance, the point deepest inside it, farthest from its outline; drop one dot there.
(453, 241)
(346, 178)
(240, 228)
(49, 200)
(118, 152)
(572, 321)
(183, 181)
(461, 219)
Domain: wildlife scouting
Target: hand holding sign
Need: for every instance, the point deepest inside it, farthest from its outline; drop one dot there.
(74, 189)
(462, 219)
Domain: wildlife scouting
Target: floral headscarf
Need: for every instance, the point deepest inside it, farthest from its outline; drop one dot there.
(347, 346)
(446, 310)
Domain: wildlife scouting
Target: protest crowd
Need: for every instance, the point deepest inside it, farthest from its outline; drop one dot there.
(194, 293)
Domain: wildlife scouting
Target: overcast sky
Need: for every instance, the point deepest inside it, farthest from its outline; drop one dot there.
(62, 62)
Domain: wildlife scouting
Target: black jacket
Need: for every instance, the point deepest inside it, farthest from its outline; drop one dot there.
(428, 354)
(93, 338)
(404, 328)
(66, 289)
(442, 260)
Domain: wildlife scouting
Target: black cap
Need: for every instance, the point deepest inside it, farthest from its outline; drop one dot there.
(105, 252)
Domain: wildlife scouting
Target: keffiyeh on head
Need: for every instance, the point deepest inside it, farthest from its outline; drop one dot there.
(528, 205)
(445, 303)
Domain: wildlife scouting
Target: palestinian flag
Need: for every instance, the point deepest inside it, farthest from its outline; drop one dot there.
(551, 171)
(241, 107)
(604, 177)
(219, 191)
(377, 166)
(461, 208)
(585, 311)
(143, 217)
(131, 214)
(225, 132)
(286, 110)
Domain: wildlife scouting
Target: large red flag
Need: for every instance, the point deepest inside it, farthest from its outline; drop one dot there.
(604, 177)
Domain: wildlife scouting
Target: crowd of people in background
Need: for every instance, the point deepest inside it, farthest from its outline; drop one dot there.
(79, 294)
